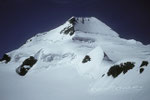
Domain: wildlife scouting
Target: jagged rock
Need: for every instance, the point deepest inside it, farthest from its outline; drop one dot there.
(141, 70)
(72, 20)
(68, 30)
(26, 65)
(6, 58)
(30, 61)
(144, 63)
(22, 71)
(86, 59)
(116, 70)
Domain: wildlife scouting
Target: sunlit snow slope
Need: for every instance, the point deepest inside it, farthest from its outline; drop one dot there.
(83, 59)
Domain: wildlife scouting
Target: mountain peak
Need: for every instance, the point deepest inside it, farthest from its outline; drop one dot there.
(74, 19)
(89, 25)
(55, 62)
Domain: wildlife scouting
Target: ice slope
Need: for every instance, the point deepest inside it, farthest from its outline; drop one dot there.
(93, 25)
(60, 74)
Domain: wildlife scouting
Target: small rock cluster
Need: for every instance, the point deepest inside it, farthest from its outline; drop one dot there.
(26, 65)
(116, 70)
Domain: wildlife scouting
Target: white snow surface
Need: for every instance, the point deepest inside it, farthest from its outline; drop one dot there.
(59, 73)
(92, 68)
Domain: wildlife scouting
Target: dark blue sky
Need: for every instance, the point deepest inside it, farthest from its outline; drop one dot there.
(21, 19)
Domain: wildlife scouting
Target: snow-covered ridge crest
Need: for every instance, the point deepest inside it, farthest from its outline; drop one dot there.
(75, 24)
(91, 25)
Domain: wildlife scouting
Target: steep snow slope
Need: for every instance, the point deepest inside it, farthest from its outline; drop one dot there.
(77, 61)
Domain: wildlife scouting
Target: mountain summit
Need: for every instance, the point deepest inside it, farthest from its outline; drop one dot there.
(81, 59)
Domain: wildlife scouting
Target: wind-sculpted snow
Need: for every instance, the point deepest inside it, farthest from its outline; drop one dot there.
(83, 39)
(83, 59)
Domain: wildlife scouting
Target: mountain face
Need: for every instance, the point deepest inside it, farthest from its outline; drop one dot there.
(83, 59)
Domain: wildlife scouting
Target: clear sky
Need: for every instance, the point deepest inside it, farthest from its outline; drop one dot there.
(21, 19)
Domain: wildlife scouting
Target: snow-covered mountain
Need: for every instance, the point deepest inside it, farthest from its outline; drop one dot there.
(83, 59)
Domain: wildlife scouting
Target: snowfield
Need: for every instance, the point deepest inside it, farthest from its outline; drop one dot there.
(83, 59)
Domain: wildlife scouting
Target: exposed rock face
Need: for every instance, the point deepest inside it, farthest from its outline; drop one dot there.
(30, 61)
(6, 58)
(26, 65)
(70, 29)
(72, 20)
(141, 70)
(116, 70)
(143, 64)
(86, 59)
